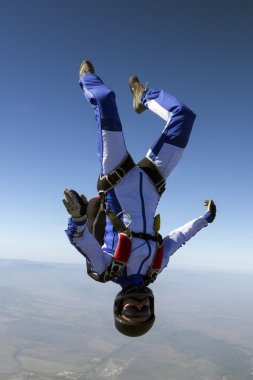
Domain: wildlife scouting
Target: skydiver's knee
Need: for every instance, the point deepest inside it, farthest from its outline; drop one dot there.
(103, 97)
(185, 112)
(104, 94)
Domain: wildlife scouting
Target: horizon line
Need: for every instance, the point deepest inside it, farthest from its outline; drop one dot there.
(175, 268)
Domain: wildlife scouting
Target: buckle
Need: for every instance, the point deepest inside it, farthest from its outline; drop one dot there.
(160, 186)
(116, 268)
(115, 176)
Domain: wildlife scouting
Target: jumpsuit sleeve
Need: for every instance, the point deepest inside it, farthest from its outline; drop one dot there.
(180, 236)
(80, 237)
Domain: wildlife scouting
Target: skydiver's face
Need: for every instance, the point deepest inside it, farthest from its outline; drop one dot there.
(135, 310)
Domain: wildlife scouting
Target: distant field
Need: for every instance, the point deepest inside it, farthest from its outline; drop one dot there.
(55, 323)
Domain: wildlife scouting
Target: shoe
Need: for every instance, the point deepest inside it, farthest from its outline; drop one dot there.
(137, 90)
(86, 68)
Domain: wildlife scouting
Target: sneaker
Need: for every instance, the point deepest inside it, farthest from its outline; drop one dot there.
(86, 68)
(137, 90)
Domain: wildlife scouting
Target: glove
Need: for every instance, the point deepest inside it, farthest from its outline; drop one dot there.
(75, 204)
(211, 210)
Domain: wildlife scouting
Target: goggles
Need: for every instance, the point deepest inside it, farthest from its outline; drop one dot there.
(134, 312)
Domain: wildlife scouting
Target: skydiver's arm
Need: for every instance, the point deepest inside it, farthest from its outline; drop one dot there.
(88, 246)
(181, 235)
(79, 235)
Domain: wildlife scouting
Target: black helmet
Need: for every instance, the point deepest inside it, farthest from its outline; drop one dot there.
(133, 328)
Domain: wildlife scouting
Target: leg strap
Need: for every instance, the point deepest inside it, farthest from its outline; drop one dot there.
(107, 182)
(154, 174)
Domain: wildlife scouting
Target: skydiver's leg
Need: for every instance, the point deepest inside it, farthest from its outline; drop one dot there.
(111, 144)
(168, 149)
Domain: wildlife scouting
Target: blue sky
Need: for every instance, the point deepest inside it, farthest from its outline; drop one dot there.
(201, 51)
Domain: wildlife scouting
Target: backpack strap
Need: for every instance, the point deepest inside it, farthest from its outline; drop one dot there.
(96, 219)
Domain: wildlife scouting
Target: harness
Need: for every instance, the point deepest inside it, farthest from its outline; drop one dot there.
(125, 235)
(107, 182)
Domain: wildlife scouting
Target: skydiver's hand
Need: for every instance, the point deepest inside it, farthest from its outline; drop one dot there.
(75, 204)
(211, 210)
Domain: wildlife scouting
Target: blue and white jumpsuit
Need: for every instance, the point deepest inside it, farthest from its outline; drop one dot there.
(134, 197)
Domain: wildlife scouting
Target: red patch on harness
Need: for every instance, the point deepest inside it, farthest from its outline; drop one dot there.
(158, 259)
(123, 249)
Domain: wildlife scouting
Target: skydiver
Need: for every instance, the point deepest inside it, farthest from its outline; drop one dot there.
(118, 232)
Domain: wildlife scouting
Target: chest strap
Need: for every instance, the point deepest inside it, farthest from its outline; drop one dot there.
(119, 226)
(141, 235)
